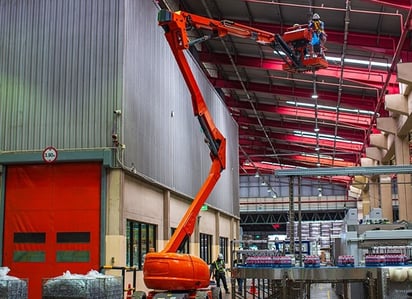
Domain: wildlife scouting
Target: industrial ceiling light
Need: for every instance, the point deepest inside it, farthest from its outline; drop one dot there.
(257, 174)
(324, 137)
(359, 61)
(316, 130)
(314, 96)
(317, 148)
(274, 195)
(330, 108)
(263, 183)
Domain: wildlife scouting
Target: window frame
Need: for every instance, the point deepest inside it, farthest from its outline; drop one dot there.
(224, 248)
(205, 245)
(184, 247)
(140, 237)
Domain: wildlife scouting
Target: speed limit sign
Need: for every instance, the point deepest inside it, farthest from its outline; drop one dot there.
(49, 154)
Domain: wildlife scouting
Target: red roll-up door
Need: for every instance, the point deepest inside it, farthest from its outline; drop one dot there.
(52, 221)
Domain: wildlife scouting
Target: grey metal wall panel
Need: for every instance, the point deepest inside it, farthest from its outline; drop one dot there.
(163, 139)
(66, 65)
(60, 72)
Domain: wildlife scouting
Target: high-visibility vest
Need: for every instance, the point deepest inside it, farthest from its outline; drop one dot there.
(317, 26)
(219, 266)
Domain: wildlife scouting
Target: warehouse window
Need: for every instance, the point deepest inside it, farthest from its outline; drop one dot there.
(73, 237)
(73, 256)
(29, 256)
(140, 237)
(184, 247)
(29, 237)
(224, 248)
(206, 247)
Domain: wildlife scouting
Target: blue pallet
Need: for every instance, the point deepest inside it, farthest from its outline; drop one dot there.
(312, 265)
(395, 264)
(375, 264)
(285, 266)
(346, 265)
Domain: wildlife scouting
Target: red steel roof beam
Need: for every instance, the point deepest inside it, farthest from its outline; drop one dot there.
(308, 140)
(257, 148)
(348, 133)
(269, 169)
(356, 120)
(368, 102)
(370, 78)
(285, 151)
(371, 42)
(323, 161)
(402, 4)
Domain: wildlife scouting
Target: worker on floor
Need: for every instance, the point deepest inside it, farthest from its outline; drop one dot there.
(239, 281)
(218, 270)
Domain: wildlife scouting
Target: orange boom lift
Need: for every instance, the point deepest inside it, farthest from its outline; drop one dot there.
(169, 270)
(181, 274)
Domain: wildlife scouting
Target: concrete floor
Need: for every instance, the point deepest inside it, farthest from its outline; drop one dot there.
(317, 291)
(322, 291)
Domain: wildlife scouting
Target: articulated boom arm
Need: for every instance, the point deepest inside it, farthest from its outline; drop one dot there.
(169, 270)
(186, 21)
(175, 31)
(293, 47)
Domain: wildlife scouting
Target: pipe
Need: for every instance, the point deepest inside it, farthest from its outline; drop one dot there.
(323, 83)
(380, 2)
(296, 153)
(344, 46)
(272, 189)
(311, 7)
(244, 89)
(300, 220)
(291, 215)
(277, 202)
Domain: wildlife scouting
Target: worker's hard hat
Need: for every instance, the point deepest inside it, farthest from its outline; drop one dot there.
(315, 17)
(220, 256)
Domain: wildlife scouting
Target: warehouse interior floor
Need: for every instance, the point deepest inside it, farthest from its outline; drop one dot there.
(322, 291)
(317, 291)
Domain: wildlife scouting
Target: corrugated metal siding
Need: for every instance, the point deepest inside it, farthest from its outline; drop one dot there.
(163, 139)
(64, 65)
(60, 72)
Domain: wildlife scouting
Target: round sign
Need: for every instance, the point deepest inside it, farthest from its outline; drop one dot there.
(49, 154)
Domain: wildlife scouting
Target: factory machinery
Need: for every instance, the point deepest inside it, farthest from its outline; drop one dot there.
(369, 260)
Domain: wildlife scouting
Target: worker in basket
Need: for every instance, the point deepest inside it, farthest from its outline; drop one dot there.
(318, 35)
(218, 270)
